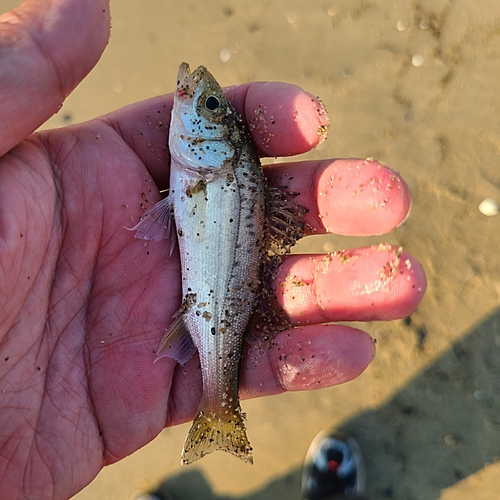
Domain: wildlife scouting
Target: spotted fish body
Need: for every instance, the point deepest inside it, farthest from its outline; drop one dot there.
(218, 194)
(222, 207)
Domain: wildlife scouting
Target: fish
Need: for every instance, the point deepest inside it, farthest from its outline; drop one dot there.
(231, 228)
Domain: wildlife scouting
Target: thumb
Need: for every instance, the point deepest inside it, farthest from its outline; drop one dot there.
(46, 48)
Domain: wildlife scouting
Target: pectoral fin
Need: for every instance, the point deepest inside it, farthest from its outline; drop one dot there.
(157, 223)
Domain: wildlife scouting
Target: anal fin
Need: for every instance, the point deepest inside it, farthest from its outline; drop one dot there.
(176, 343)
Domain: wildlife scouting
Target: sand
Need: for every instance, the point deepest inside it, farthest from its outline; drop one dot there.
(414, 84)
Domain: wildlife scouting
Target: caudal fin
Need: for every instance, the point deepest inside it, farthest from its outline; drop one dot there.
(210, 432)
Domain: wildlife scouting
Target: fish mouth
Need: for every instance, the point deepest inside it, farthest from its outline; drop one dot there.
(183, 74)
(188, 81)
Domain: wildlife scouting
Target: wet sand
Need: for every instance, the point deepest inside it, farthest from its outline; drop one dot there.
(415, 85)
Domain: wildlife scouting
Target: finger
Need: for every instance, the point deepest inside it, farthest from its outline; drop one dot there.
(364, 284)
(46, 48)
(282, 119)
(350, 197)
(306, 358)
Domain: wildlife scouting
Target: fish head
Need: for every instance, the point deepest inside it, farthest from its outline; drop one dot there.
(203, 124)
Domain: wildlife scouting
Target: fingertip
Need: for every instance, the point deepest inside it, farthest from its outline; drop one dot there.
(410, 287)
(321, 356)
(283, 119)
(361, 197)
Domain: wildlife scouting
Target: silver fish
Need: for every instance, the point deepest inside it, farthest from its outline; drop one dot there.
(219, 199)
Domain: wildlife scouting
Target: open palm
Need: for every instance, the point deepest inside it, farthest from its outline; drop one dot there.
(84, 304)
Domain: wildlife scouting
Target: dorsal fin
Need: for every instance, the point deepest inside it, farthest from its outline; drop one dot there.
(285, 223)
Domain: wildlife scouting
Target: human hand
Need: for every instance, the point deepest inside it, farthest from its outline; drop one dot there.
(84, 304)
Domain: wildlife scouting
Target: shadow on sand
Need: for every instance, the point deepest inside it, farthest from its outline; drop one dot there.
(440, 428)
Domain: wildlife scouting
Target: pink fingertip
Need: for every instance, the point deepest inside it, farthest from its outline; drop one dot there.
(361, 197)
(321, 356)
(283, 119)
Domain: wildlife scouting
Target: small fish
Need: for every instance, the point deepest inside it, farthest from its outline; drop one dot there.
(222, 209)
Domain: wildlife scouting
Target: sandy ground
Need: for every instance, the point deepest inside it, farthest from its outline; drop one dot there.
(414, 84)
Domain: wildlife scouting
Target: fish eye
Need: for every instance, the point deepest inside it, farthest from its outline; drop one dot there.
(212, 103)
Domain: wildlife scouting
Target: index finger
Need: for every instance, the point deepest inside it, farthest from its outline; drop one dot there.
(283, 119)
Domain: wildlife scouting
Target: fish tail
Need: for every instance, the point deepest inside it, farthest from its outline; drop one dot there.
(211, 431)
